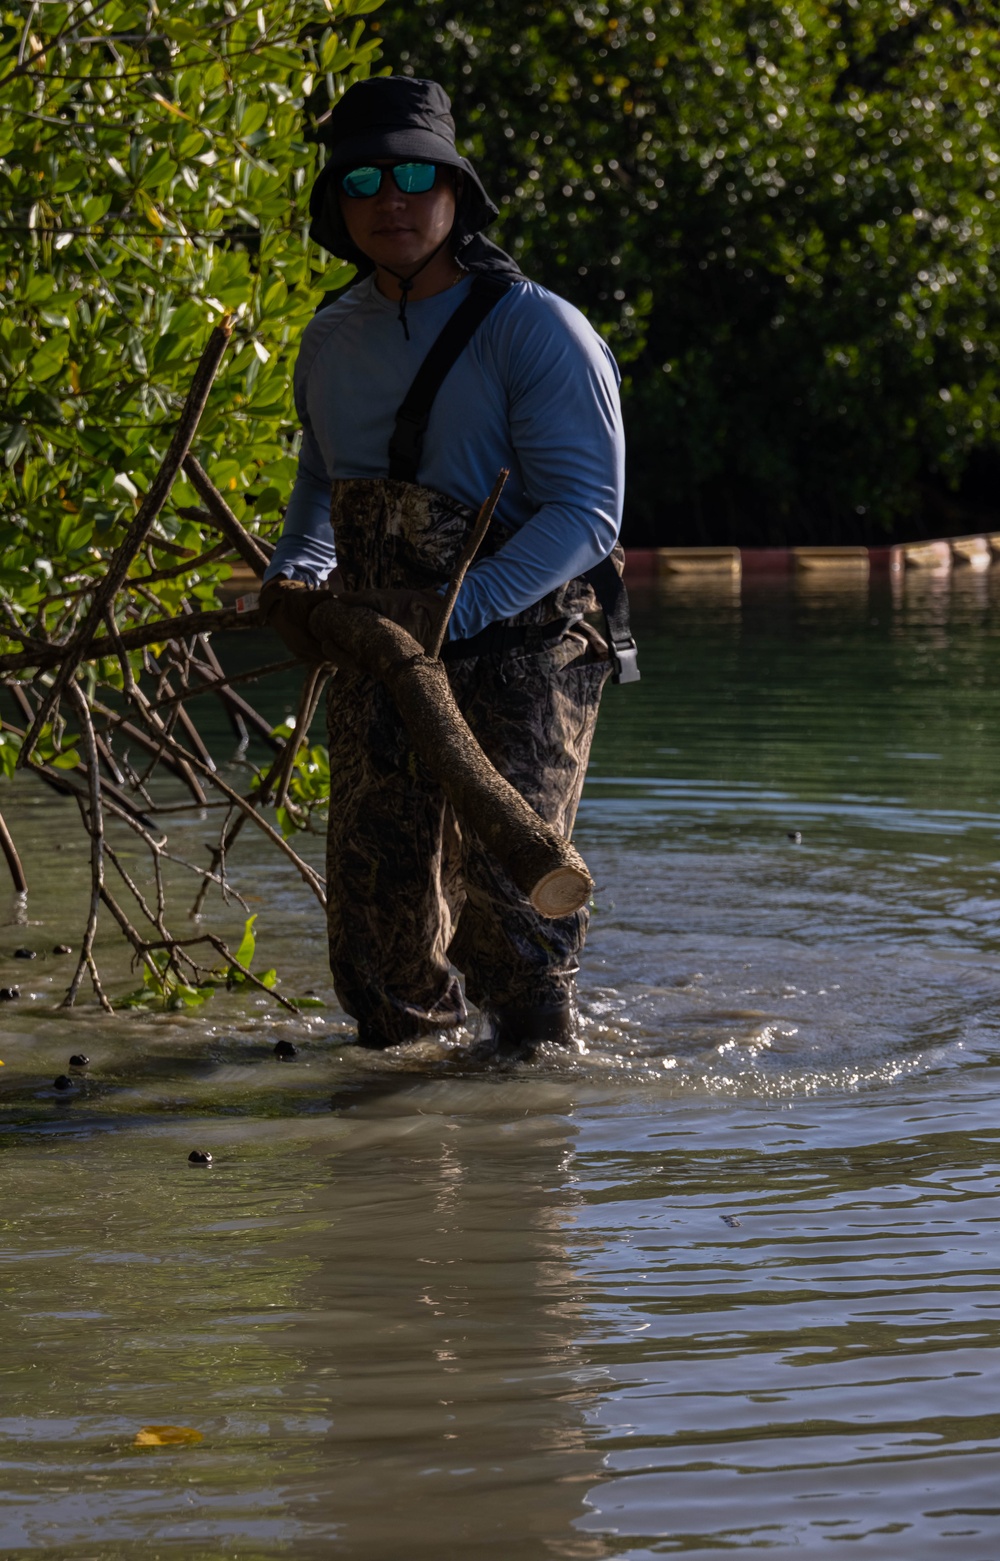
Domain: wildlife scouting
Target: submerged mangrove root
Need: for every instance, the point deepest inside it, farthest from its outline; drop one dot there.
(544, 865)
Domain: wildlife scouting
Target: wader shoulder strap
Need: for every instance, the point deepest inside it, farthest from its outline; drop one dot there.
(406, 447)
(406, 444)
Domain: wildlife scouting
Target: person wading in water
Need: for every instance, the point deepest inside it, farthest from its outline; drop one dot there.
(392, 471)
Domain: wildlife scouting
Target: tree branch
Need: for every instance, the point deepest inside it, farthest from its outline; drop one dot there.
(13, 860)
(95, 828)
(156, 632)
(473, 543)
(137, 532)
(223, 518)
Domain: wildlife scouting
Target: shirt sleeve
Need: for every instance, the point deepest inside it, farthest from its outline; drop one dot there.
(566, 431)
(306, 549)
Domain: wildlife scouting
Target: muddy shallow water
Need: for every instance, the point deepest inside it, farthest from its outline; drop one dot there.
(725, 1278)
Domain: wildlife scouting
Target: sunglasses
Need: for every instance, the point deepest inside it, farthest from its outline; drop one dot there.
(409, 178)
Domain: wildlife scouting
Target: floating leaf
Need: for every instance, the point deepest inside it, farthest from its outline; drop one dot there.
(166, 1436)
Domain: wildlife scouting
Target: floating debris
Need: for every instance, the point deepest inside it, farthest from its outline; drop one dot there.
(166, 1436)
(730, 1220)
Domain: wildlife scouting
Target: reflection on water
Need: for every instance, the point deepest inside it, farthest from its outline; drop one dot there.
(724, 1278)
(370, 1314)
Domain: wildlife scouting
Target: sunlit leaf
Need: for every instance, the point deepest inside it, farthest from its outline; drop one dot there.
(166, 1436)
(133, 218)
(184, 996)
(124, 482)
(171, 108)
(248, 946)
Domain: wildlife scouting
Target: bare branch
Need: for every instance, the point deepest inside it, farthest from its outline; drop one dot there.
(13, 860)
(212, 556)
(473, 543)
(156, 632)
(312, 691)
(223, 518)
(308, 874)
(137, 532)
(218, 944)
(95, 827)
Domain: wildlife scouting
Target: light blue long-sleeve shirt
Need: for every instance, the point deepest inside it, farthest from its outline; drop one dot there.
(535, 390)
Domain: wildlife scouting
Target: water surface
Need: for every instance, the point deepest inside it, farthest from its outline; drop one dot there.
(724, 1279)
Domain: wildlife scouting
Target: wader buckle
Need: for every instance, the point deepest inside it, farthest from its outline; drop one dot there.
(624, 661)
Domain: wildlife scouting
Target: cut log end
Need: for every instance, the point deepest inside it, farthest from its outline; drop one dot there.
(561, 892)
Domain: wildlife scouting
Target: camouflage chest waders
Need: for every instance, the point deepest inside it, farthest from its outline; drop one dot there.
(408, 894)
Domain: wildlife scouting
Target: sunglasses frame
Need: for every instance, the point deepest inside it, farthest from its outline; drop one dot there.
(393, 168)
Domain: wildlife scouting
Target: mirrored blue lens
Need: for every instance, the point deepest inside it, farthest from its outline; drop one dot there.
(362, 181)
(414, 178)
(410, 178)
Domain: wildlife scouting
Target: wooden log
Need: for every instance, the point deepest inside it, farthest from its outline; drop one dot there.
(543, 865)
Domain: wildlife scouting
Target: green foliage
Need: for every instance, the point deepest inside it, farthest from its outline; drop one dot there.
(308, 790)
(164, 987)
(155, 175)
(244, 956)
(155, 167)
(783, 216)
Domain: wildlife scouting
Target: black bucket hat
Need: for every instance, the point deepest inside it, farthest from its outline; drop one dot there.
(400, 117)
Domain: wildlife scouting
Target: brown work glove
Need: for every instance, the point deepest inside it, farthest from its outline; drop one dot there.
(323, 621)
(418, 612)
(284, 605)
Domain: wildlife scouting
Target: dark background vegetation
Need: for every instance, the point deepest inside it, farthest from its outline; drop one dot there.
(782, 216)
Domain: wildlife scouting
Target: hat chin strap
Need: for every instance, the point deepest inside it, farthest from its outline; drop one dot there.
(406, 282)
